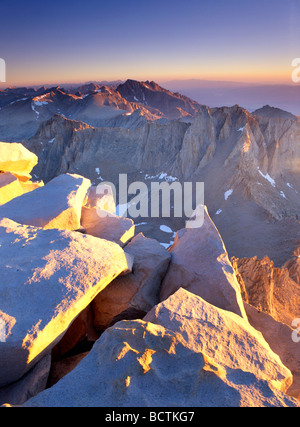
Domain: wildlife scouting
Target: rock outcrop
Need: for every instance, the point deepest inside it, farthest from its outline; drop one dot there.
(10, 187)
(31, 384)
(166, 103)
(274, 291)
(101, 197)
(56, 205)
(280, 338)
(175, 362)
(135, 294)
(15, 158)
(47, 278)
(105, 225)
(16, 163)
(197, 252)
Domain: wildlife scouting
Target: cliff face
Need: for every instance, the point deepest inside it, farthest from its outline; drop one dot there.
(275, 291)
(67, 145)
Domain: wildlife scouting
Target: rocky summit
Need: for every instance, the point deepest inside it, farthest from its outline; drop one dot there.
(103, 309)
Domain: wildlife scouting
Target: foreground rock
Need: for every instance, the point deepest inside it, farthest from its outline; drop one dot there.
(135, 293)
(235, 338)
(200, 264)
(257, 277)
(34, 382)
(105, 225)
(101, 197)
(56, 205)
(47, 278)
(195, 355)
(10, 187)
(15, 158)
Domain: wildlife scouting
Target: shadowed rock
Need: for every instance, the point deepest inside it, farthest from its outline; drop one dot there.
(139, 290)
(200, 264)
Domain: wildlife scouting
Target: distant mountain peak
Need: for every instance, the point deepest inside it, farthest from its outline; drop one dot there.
(154, 96)
(273, 113)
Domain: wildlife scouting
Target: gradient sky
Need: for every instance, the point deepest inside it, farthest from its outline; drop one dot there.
(49, 41)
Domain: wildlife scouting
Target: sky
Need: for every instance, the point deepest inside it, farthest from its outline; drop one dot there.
(50, 41)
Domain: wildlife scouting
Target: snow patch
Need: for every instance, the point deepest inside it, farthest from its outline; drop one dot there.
(18, 100)
(228, 193)
(166, 229)
(38, 100)
(34, 110)
(40, 103)
(97, 170)
(282, 194)
(267, 177)
(162, 176)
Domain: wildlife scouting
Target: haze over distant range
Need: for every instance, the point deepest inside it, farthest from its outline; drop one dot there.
(250, 96)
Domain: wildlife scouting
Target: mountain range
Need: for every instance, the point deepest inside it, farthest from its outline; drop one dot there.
(250, 95)
(249, 162)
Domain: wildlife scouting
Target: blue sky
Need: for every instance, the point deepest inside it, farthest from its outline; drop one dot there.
(65, 41)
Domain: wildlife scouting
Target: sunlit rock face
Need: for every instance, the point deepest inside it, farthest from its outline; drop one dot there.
(185, 353)
(47, 278)
(207, 325)
(200, 264)
(10, 187)
(16, 163)
(107, 226)
(15, 158)
(56, 205)
(275, 291)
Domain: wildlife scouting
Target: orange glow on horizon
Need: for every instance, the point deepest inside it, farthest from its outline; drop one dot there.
(32, 75)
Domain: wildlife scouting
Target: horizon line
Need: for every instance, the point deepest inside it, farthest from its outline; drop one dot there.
(4, 86)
